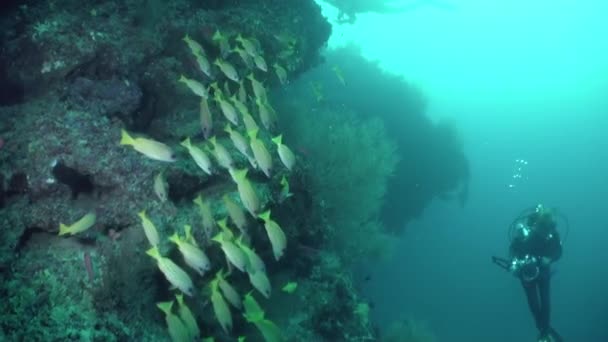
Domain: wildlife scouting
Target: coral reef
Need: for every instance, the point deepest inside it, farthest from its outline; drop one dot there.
(431, 161)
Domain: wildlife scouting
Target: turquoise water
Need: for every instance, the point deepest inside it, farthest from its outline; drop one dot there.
(521, 80)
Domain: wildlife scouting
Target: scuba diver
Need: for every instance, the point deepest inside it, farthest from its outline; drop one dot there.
(534, 245)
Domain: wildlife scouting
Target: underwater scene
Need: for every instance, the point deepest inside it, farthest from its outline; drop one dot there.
(303, 170)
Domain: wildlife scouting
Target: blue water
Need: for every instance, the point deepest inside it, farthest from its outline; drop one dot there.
(522, 80)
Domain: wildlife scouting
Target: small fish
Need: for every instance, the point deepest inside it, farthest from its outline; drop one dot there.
(220, 307)
(186, 315)
(245, 57)
(239, 105)
(222, 41)
(221, 154)
(161, 187)
(317, 90)
(194, 85)
(262, 157)
(149, 229)
(228, 110)
(281, 73)
(206, 215)
(268, 329)
(246, 192)
(84, 223)
(275, 235)
(265, 115)
(177, 329)
(260, 63)
(258, 88)
(254, 262)
(228, 291)
(284, 194)
(148, 147)
(194, 46)
(200, 157)
(204, 65)
(253, 310)
(193, 256)
(259, 280)
(241, 144)
(173, 273)
(287, 157)
(234, 254)
(290, 287)
(236, 213)
(228, 70)
(223, 224)
(242, 93)
(249, 121)
(339, 75)
(206, 119)
(248, 45)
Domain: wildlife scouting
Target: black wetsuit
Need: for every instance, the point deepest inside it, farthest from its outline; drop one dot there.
(538, 290)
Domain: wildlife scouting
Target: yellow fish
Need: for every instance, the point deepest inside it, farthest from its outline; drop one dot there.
(235, 212)
(281, 73)
(287, 157)
(148, 147)
(177, 329)
(200, 157)
(173, 273)
(228, 70)
(149, 229)
(221, 154)
(339, 75)
(160, 187)
(254, 262)
(275, 235)
(227, 109)
(194, 85)
(194, 46)
(248, 45)
(262, 157)
(206, 215)
(260, 63)
(220, 307)
(206, 118)
(187, 317)
(228, 291)
(258, 88)
(86, 222)
(290, 287)
(241, 144)
(204, 65)
(260, 282)
(245, 57)
(222, 40)
(246, 192)
(232, 252)
(193, 256)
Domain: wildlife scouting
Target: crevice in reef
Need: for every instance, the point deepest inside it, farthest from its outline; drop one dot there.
(78, 182)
